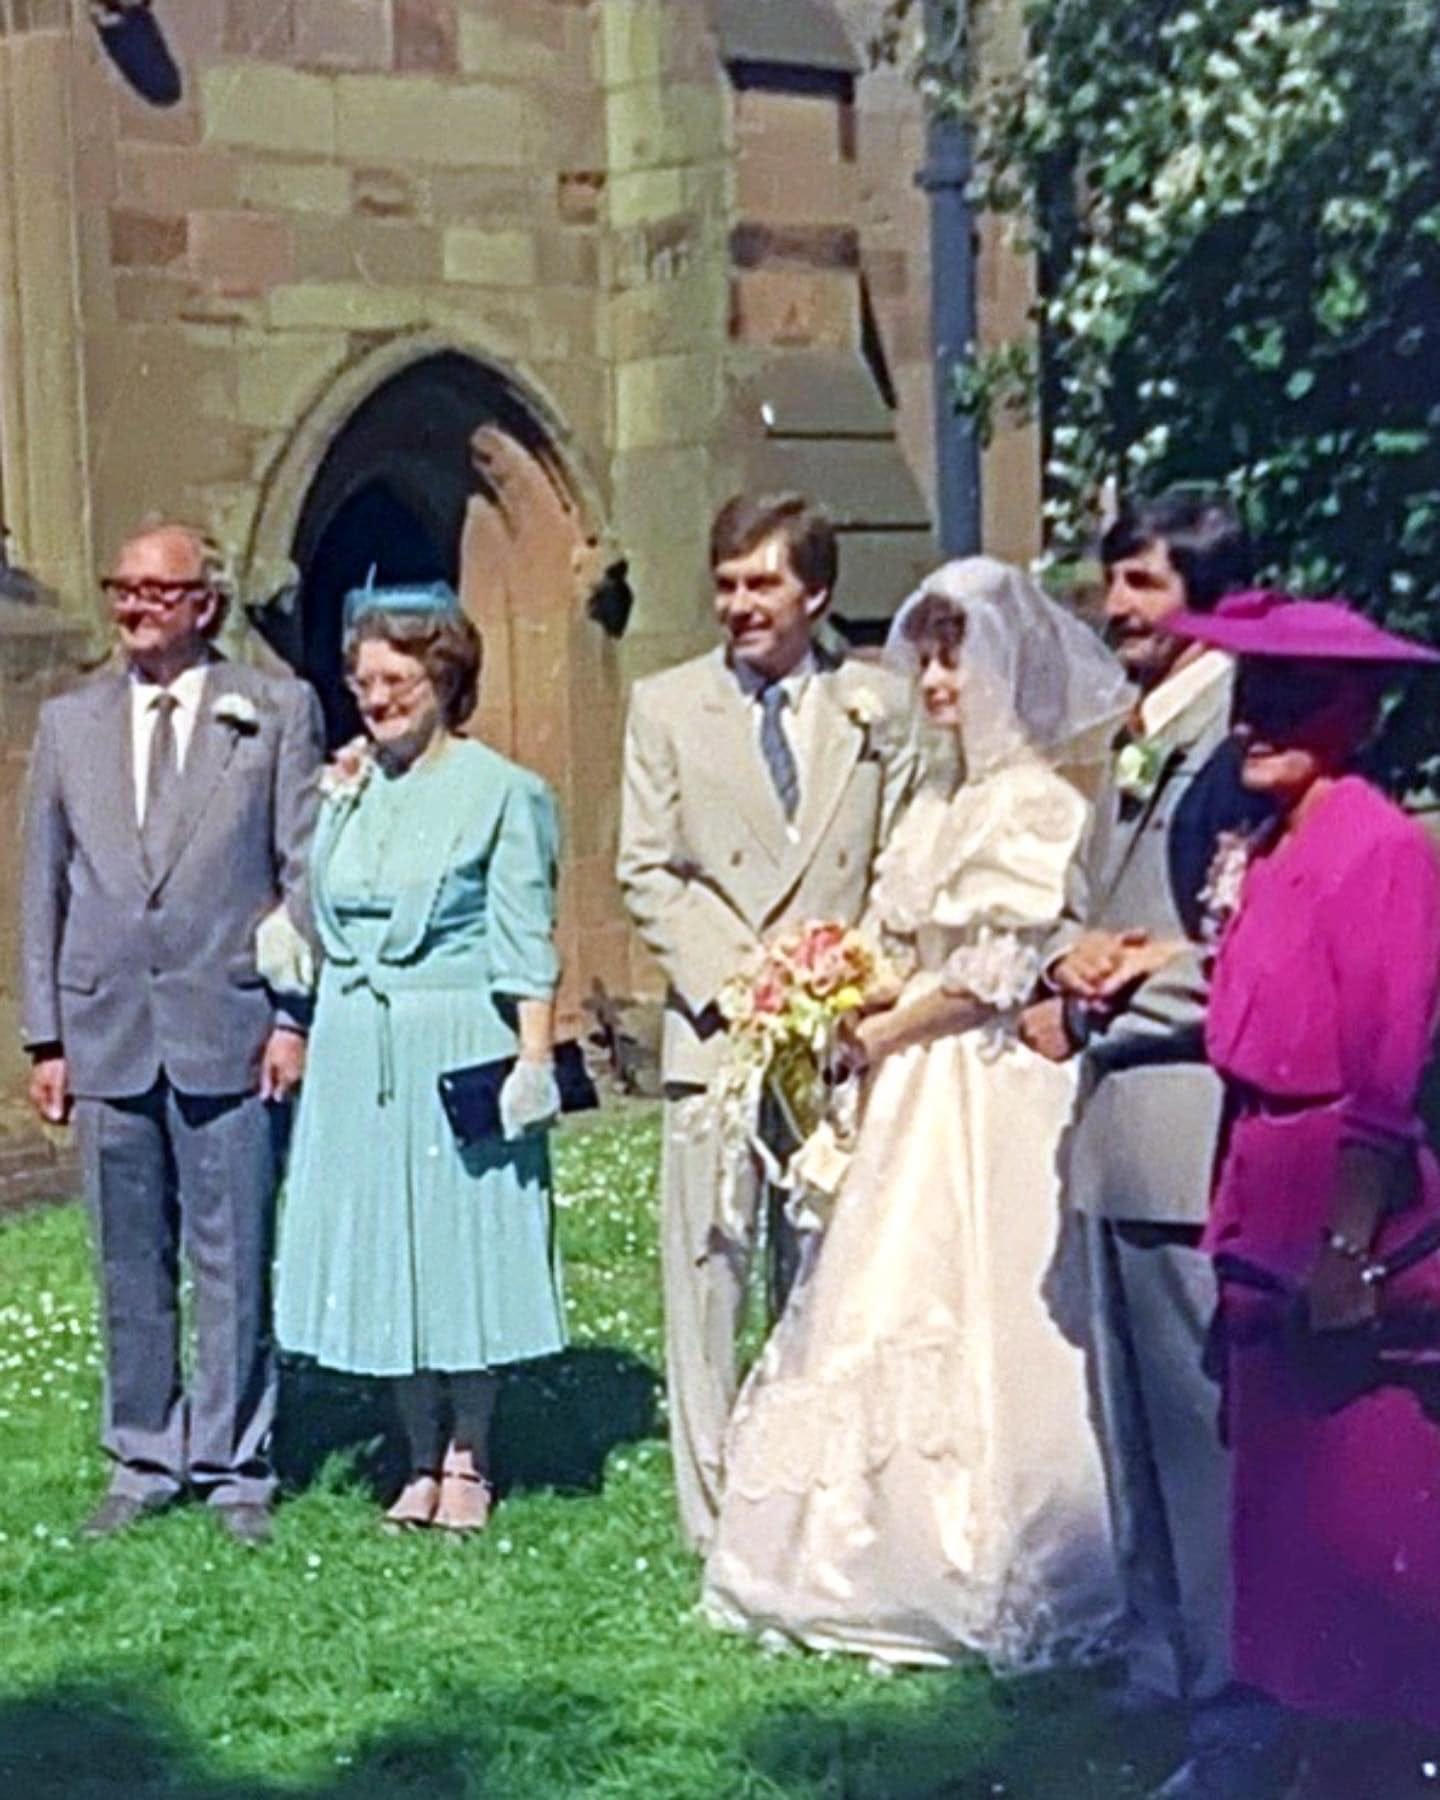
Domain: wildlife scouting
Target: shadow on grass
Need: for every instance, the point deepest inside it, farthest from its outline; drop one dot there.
(102, 1743)
(556, 1422)
(1037, 1738)
(1026, 1741)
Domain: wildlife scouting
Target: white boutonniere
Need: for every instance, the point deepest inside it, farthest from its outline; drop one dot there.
(865, 707)
(1225, 882)
(238, 713)
(1138, 768)
(348, 770)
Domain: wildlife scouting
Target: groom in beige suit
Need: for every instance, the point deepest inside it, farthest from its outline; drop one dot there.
(760, 782)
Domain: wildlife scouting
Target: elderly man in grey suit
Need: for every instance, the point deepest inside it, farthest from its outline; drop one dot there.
(760, 783)
(169, 813)
(1142, 1154)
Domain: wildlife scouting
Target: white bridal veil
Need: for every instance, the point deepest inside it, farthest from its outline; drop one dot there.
(1035, 678)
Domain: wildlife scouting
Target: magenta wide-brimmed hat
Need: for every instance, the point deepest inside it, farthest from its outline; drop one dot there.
(1267, 623)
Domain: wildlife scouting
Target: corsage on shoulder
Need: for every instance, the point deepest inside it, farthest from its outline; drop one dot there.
(348, 770)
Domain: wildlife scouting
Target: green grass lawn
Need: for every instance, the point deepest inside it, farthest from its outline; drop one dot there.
(559, 1655)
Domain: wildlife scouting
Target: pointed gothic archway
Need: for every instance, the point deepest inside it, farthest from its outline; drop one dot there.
(444, 468)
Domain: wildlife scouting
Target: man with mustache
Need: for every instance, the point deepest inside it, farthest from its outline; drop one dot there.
(761, 780)
(1144, 1145)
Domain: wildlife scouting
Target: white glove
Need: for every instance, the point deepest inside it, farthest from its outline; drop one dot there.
(284, 958)
(530, 1098)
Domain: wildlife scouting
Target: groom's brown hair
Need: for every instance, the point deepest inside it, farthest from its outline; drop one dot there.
(749, 519)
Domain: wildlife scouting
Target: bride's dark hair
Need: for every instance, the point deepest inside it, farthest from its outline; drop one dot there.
(935, 623)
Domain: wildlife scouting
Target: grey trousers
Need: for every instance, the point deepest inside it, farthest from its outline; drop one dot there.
(706, 1282)
(1153, 1294)
(165, 1172)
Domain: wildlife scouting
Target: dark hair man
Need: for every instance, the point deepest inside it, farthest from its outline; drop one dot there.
(755, 799)
(1144, 1143)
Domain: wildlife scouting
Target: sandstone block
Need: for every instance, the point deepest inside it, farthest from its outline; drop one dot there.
(136, 121)
(645, 195)
(406, 119)
(234, 312)
(823, 247)
(789, 189)
(385, 193)
(146, 240)
(632, 40)
(649, 126)
(520, 40)
(579, 196)
(795, 310)
(564, 324)
(667, 250)
(260, 28)
(787, 126)
(488, 197)
(346, 306)
(197, 30)
(269, 109)
(241, 253)
(343, 34)
(275, 382)
(299, 187)
(427, 36)
(691, 314)
(497, 323)
(652, 40)
(490, 258)
(581, 393)
(162, 178)
(887, 273)
(380, 251)
(567, 258)
(146, 296)
(667, 400)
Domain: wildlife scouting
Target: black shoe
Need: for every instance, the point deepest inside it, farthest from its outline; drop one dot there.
(247, 1523)
(118, 1512)
(1231, 1773)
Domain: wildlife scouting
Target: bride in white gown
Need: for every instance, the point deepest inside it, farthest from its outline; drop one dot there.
(911, 1471)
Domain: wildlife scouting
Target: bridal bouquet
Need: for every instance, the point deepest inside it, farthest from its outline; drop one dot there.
(783, 1016)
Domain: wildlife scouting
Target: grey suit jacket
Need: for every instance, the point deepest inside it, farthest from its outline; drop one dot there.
(1144, 1146)
(132, 971)
(706, 863)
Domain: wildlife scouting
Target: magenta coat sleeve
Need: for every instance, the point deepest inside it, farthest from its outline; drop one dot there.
(1383, 941)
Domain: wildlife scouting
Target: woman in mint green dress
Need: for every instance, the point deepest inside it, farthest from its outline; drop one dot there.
(402, 1254)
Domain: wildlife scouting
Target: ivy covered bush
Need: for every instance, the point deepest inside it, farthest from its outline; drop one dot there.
(1237, 213)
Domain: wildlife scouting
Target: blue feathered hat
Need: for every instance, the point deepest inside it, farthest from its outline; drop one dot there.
(433, 599)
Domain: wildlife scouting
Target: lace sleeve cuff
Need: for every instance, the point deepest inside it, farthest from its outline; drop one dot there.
(1000, 968)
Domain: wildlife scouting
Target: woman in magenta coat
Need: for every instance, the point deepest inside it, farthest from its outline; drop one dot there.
(1322, 1008)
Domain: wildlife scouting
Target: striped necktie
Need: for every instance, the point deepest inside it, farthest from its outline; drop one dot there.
(775, 747)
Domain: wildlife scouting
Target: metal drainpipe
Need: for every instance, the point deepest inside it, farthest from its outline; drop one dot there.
(946, 179)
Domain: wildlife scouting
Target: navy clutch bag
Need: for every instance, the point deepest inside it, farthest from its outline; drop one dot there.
(471, 1096)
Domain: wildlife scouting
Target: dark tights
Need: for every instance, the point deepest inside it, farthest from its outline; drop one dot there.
(437, 1410)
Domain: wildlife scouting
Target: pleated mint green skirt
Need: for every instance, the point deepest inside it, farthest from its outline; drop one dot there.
(399, 1252)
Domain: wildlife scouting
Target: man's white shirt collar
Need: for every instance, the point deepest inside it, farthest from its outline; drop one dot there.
(186, 689)
(793, 685)
(188, 693)
(1164, 704)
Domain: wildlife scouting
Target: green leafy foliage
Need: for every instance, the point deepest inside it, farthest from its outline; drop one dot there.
(1236, 208)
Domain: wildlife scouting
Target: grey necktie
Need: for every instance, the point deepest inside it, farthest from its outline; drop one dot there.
(775, 747)
(162, 779)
